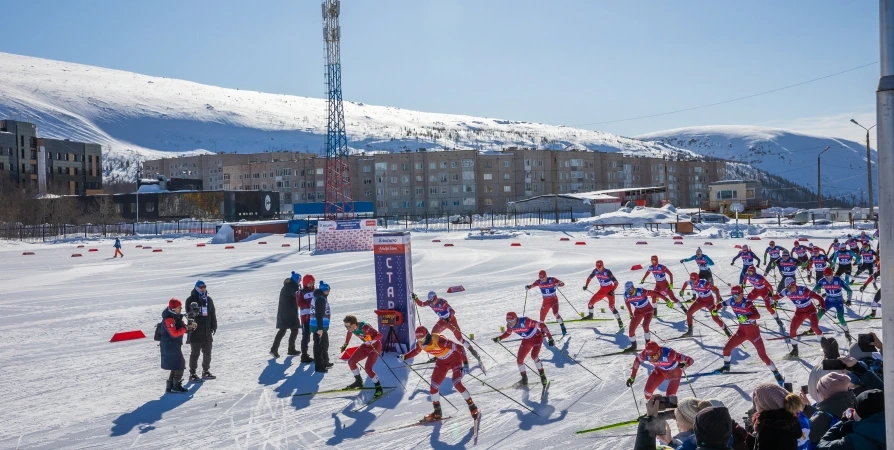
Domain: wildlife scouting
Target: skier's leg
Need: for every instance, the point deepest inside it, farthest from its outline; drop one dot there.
(797, 320)
(544, 308)
(371, 361)
(647, 319)
(454, 325)
(634, 323)
(655, 379)
(535, 354)
(673, 381)
(437, 377)
(555, 307)
(523, 351)
(814, 323)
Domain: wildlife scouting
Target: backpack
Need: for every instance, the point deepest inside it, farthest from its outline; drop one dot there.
(158, 328)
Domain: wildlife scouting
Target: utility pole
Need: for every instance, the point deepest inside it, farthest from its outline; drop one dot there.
(885, 120)
(868, 168)
(819, 186)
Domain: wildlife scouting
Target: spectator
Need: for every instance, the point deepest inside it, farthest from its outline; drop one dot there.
(834, 397)
(863, 378)
(740, 436)
(776, 424)
(319, 326)
(830, 351)
(305, 300)
(650, 425)
(171, 341)
(200, 339)
(118, 249)
(684, 415)
(287, 315)
(713, 428)
(864, 429)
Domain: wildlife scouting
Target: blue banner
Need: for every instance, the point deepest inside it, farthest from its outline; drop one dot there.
(394, 284)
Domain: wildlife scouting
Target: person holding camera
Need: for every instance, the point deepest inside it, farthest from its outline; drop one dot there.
(861, 428)
(713, 428)
(834, 397)
(287, 315)
(171, 339)
(319, 326)
(200, 310)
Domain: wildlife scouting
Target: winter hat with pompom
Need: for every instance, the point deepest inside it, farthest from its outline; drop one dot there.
(832, 383)
(174, 303)
(685, 413)
(768, 396)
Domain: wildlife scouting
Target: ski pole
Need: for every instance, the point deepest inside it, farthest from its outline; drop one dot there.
(382, 358)
(504, 395)
(429, 384)
(569, 302)
(525, 306)
(582, 366)
(472, 341)
(721, 279)
(513, 354)
(635, 403)
(689, 383)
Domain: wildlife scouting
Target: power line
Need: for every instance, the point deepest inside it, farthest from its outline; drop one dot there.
(730, 100)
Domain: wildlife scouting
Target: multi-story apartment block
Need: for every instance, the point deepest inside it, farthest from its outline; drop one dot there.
(74, 166)
(417, 182)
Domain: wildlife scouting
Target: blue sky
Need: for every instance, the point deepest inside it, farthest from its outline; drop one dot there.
(566, 62)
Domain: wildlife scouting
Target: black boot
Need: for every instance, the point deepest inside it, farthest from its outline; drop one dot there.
(723, 369)
(794, 352)
(358, 383)
(170, 385)
(305, 357)
(178, 387)
(524, 379)
(688, 332)
(274, 352)
(472, 408)
(620, 325)
(379, 392)
(293, 352)
(193, 378)
(435, 415)
(587, 317)
(206, 375)
(543, 379)
(872, 314)
(847, 335)
(632, 347)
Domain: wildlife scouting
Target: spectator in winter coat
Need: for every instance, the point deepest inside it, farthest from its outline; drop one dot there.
(200, 338)
(834, 397)
(305, 301)
(287, 315)
(171, 341)
(863, 430)
(776, 424)
(118, 249)
(650, 425)
(714, 429)
(319, 326)
(861, 376)
(684, 415)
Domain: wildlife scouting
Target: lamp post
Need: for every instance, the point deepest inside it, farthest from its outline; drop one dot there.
(868, 167)
(819, 186)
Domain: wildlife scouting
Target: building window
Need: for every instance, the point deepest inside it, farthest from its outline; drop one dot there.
(420, 204)
(419, 191)
(507, 163)
(367, 169)
(454, 164)
(404, 167)
(507, 188)
(455, 177)
(381, 166)
(133, 208)
(432, 165)
(394, 167)
(749, 194)
(505, 176)
(468, 163)
(393, 180)
(150, 207)
(488, 189)
(443, 164)
(726, 195)
(433, 203)
(404, 179)
(538, 163)
(454, 189)
(469, 201)
(488, 176)
(433, 191)
(319, 171)
(369, 193)
(419, 178)
(444, 190)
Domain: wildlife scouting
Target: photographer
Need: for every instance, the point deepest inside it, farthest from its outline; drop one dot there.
(287, 315)
(171, 340)
(862, 428)
(652, 424)
(863, 378)
(200, 310)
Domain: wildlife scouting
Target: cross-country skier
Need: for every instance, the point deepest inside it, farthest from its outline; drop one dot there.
(775, 253)
(641, 310)
(548, 289)
(607, 286)
(446, 319)
(788, 267)
(803, 298)
(532, 333)
(833, 286)
(761, 289)
(370, 350)
(746, 315)
(818, 262)
(844, 258)
(748, 259)
(705, 293)
(867, 259)
(667, 364)
(801, 253)
(704, 264)
(661, 274)
(877, 299)
(834, 247)
(853, 244)
(450, 357)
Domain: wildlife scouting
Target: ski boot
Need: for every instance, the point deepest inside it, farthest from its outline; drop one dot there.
(474, 353)
(293, 352)
(728, 333)
(587, 317)
(177, 387)
(620, 325)
(564, 330)
(779, 378)
(809, 332)
(379, 392)
(524, 379)
(847, 335)
(274, 353)
(872, 314)
(193, 378)
(794, 352)
(688, 332)
(435, 415)
(358, 383)
(329, 365)
(543, 379)
(472, 408)
(632, 347)
(206, 375)
(723, 369)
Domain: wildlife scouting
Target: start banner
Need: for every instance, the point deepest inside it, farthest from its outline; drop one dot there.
(394, 285)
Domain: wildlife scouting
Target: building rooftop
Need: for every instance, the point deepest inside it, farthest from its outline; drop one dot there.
(723, 182)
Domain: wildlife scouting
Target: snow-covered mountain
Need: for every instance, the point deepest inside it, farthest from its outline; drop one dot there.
(133, 115)
(784, 153)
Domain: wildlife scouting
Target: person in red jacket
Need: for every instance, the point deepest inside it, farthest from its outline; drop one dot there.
(762, 289)
(449, 356)
(446, 319)
(171, 339)
(641, 310)
(549, 287)
(746, 315)
(803, 298)
(662, 274)
(667, 364)
(532, 333)
(305, 298)
(705, 293)
(370, 350)
(607, 286)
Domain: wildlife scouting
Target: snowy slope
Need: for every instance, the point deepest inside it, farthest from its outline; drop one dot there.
(785, 153)
(124, 110)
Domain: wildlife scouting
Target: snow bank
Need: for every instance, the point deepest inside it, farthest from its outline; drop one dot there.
(638, 216)
(224, 235)
(486, 233)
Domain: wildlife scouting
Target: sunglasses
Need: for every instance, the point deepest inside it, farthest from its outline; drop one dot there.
(201, 287)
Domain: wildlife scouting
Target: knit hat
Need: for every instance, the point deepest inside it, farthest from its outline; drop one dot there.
(685, 413)
(308, 280)
(200, 283)
(768, 396)
(869, 403)
(709, 402)
(713, 427)
(174, 303)
(830, 348)
(832, 383)
(296, 278)
(323, 286)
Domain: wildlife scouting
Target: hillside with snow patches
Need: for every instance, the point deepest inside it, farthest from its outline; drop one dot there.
(784, 153)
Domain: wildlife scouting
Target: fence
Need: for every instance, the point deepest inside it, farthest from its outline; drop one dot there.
(45, 232)
(490, 219)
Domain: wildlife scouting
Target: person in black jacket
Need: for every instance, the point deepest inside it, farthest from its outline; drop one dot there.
(171, 340)
(287, 315)
(319, 326)
(200, 338)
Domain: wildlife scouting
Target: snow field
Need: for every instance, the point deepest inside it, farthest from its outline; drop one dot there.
(68, 387)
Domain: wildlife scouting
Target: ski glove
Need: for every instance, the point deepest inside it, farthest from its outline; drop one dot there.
(527, 286)
(715, 312)
(669, 304)
(630, 381)
(862, 288)
(732, 264)
(742, 318)
(671, 285)
(682, 365)
(466, 369)
(821, 312)
(497, 340)
(402, 357)
(550, 342)
(682, 261)
(585, 288)
(343, 347)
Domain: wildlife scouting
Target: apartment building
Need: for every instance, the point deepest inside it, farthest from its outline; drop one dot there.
(74, 166)
(438, 182)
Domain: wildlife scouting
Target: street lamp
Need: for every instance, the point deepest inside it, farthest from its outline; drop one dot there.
(819, 186)
(868, 167)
